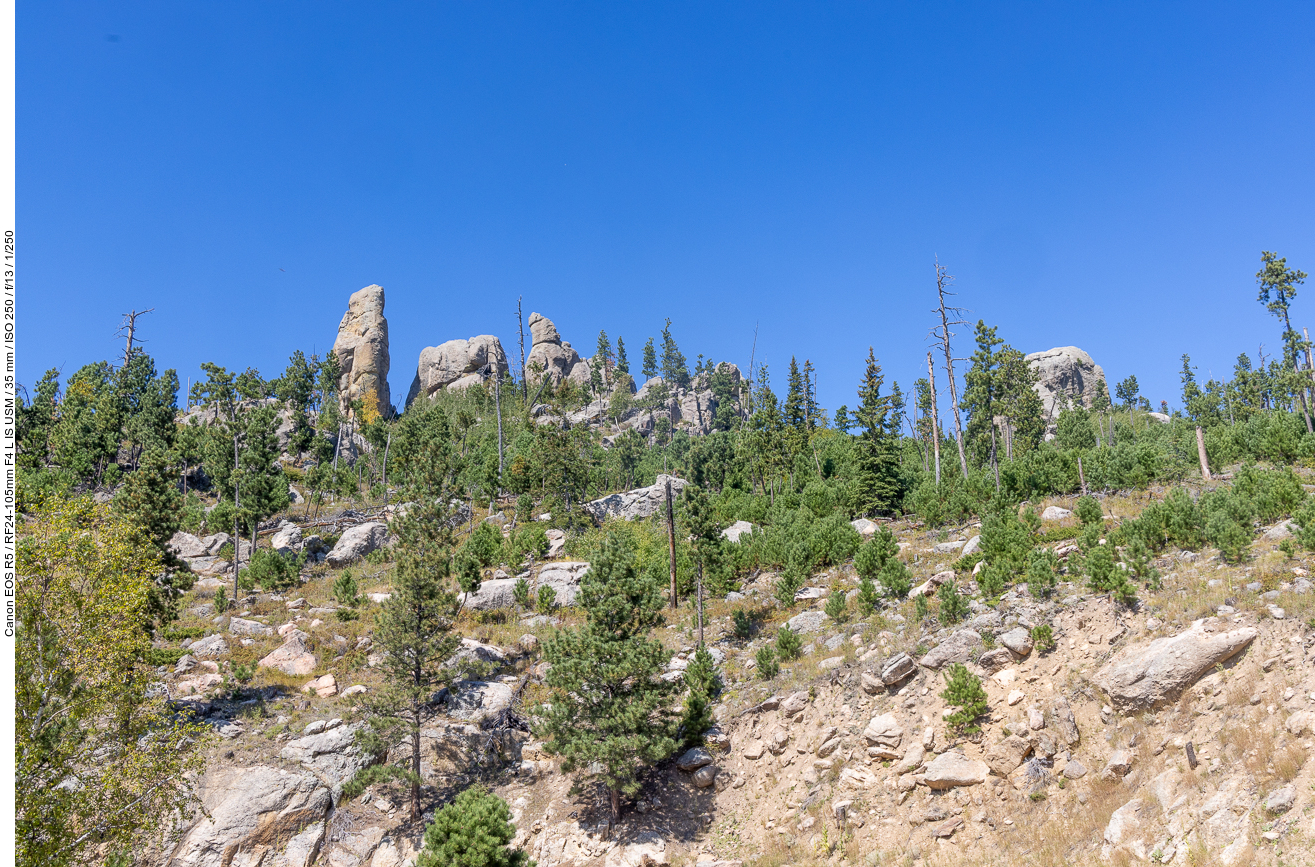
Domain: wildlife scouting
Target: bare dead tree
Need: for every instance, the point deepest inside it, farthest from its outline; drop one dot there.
(520, 330)
(935, 420)
(941, 335)
(128, 330)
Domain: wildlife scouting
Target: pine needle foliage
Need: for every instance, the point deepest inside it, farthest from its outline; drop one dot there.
(608, 714)
(474, 830)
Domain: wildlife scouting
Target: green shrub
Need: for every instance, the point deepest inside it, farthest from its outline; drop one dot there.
(895, 579)
(867, 597)
(182, 633)
(221, 601)
(520, 591)
(528, 540)
(243, 673)
(765, 661)
(788, 643)
(963, 690)
(1288, 549)
(1088, 511)
(991, 580)
(703, 683)
(1041, 566)
(790, 583)
(164, 656)
(954, 607)
(875, 552)
(547, 598)
(345, 590)
(474, 830)
(920, 606)
(836, 607)
(272, 571)
(485, 544)
(1043, 638)
(742, 622)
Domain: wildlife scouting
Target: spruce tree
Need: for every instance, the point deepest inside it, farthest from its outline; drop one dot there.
(650, 365)
(152, 505)
(795, 399)
(603, 357)
(675, 370)
(841, 422)
(296, 389)
(414, 629)
(981, 389)
(608, 714)
(622, 363)
(877, 485)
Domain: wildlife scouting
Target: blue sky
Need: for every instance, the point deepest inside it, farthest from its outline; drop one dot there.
(1102, 175)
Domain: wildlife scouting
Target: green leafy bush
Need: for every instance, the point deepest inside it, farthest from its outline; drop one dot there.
(991, 580)
(742, 621)
(1043, 638)
(835, 607)
(474, 830)
(875, 552)
(485, 544)
(703, 683)
(765, 662)
(520, 591)
(954, 607)
(788, 643)
(963, 690)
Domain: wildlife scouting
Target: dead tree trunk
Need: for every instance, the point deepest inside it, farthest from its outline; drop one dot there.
(943, 280)
(671, 542)
(520, 330)
(1200, 453)
(935, 420)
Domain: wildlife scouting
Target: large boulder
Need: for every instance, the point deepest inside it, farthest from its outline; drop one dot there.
(356, 542)
(1146, 676)
(1064, 373)
(457, 364)
(476, 700)
(563, 578)
(362, 351)
(292, 657)
(961, 646)
(639, 503)
(332, 755)
(953, 768)
(287, 540)
(250, 809)
(552, 356)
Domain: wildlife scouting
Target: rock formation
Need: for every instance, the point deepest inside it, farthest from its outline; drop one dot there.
(553, 356)
(362, 350)
(457, 364)
(1065, 372)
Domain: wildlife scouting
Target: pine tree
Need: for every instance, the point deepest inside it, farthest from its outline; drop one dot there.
(650, 365)
(841, 421)
(414, 629)
(622, 363)
(877, 484)
(703, 684)
(795, 399)
(603, 357)
(1127, 392)
(474, 830)
(296, 389)
(675, 370)
(979, 396)
(1278, 287)
(608, 716)
(812, 412)
(152, 505)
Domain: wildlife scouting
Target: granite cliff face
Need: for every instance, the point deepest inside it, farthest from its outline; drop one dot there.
(457, 364)
(1062, 373)
(362, 350)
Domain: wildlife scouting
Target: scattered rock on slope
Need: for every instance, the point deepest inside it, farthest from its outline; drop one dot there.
(1145, 676)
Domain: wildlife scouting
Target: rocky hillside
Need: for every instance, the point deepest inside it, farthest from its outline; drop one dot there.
(1173, 731)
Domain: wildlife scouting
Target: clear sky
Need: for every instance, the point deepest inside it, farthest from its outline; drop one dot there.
(1103, 175)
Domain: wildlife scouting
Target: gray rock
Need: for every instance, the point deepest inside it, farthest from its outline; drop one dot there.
(1074, 769)
(250, 808)
(638, 503)
(475, 701)
(704, 777)
(947, 547)
(972, 546)
(238, 626)
(994, 660)
(356, 542)
(961, 646)
(552, 355)
(808, 621)
(1055, 513)
(1146, 676)
(897, 669)
(951, 769)
(287, 540)
(692, 760)
(187, 546)
(211, 645)
(1118, 766)
(737, 530)
(1064, 373)
(362, 350)
(457, 364)
(1018, 640)
(292, 657)
(1059, 719)
(884, 730)
(331, 753)
(1281, 800)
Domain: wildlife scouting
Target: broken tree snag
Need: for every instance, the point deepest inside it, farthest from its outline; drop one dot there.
(671, 542)
(1191, 755)
(1200, 451)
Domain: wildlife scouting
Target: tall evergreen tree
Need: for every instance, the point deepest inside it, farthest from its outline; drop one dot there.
(842, 419)
(622, 363)
(415, 626)
(1278, 287)
(603, 358)
(675, 370)
(979, 398)
(608, 715)
(152, 505)
(650, 364)
(877, 485)
(1127, 392)
(296, 389)
(1018, 402)
(795, 411)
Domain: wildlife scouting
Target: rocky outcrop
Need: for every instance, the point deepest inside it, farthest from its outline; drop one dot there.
(356, 542)
(639, 503)
(331, 753)
(1146, 676)
(293, 657)
(457, 364)
(1062, 373)
(362, 350)
(255, 809)
(552, 356)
